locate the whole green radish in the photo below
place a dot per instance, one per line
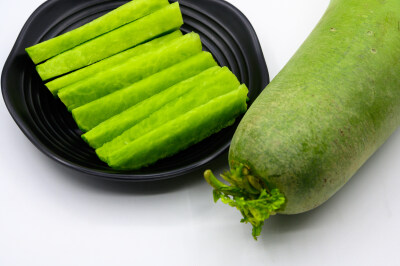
(330, 108)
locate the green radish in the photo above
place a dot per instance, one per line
(221, 83)
(131, 71)
(182, 132)
(55, 85)
(124, 14)
(160, 22)
(330, 108)
(115, 126)
(92, 114)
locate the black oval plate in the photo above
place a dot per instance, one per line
(224, 31)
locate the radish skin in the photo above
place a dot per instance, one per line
(330, 108)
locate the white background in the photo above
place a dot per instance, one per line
(50, 215)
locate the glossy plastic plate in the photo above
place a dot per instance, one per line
(225, 32)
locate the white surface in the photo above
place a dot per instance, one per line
(50, 215)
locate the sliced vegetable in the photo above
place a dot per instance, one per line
(130, 72)
(331, 107)
(55, 85)
(164, 20)
(116, 125)
(124, 14)
(222, 83)
(91, 114)
(178, 134)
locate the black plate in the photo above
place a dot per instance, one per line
(225, 32)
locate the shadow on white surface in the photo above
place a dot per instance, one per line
(138, 188)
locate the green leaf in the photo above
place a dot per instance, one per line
(256, 203)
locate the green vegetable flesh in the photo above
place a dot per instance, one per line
(115, 126)
(130, 72)
(182, 132)
(90, 115)
(55, 85)
(124, 14)
(164, 20)
(331, 107)
(222, 83)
